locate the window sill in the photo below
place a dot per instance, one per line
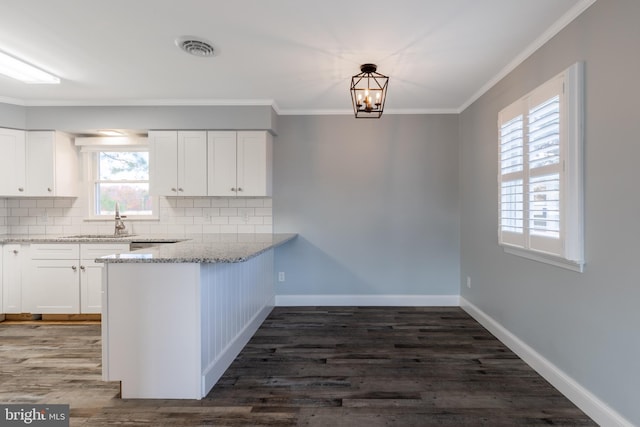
(127, 219)
(547, 259)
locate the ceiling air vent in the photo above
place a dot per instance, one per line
(195, 46)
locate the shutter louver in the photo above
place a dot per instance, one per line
(511, 179)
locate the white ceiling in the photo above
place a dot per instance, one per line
(299, 55)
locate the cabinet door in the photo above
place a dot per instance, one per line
(53, 288)
(12, 278)
(163, 164)
(51, 165)
(1, 288)
(254, 164)
(91, 288)
(91, 274)
(40, 155)
(222, 163)
(12, 162)
(192, 163)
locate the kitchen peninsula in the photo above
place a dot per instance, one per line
(175, 316)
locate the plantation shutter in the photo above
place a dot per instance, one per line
(511, 176)
(544, 168)
(540, 180)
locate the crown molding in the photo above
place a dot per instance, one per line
(12, 101)
(141, 102)
(349, 112)
(557, 26)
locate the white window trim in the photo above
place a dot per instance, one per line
(91, 160)
(571, 160)
(545, 258)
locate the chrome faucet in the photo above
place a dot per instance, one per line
(120, 228)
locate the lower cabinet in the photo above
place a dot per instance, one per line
(91, 274)
(64, 278)
(12, 272)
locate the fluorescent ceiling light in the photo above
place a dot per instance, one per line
(109, 132)
(20, 70)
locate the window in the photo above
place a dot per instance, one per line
(540, 173)
(121, 177)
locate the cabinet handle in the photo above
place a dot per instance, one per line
(173, 189)
(20, 189)
(15, 252)
(49, 190)
(82, 267)
(180, 189)
(233, 189)
(74, 268)
(239, 188)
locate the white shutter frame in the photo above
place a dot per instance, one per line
(574, 172)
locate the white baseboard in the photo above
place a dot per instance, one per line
(595, 408)
(368, 300)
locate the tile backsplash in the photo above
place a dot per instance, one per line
(177, 215)
(3, 216)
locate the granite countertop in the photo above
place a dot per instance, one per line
(90, 238)
(200, 248)
(205, 248)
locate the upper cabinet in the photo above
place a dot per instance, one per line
(37, 164)
(12, 162)
(51, 165)
(178, 163)
(239, 163)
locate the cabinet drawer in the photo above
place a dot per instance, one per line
(55, 251)
(89, 252)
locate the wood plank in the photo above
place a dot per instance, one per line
(313, 366)
(72, 317)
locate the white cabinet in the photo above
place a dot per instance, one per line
(37, 164)
(91, 274)
(178, 163)
(12, 162)
(64, 278)
(53, 281)
(51, 165)
(222, 163)
(240, 163)
(12, 269)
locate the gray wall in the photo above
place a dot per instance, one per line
(13, 116)
(586, 324)
(375, 203)
(79, 119)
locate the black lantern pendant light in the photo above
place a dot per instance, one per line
(368, 92)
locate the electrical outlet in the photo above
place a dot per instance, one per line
(281, 276)
(468, 282)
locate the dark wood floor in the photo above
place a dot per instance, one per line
(339, 366)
